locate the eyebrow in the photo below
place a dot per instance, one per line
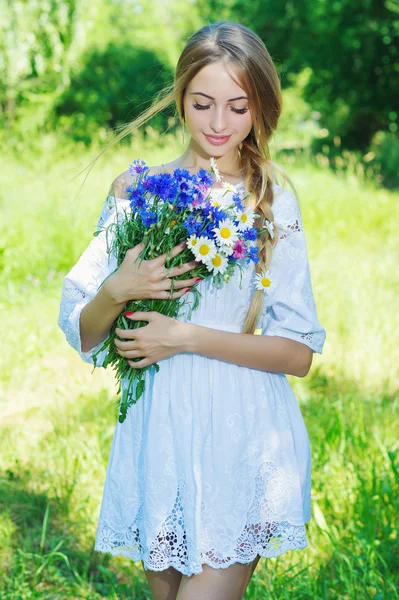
(210, 97)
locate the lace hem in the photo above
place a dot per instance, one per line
(207, 557)
(262, 534)
(170, 549)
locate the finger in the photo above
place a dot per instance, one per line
(131, 353)
(127, 334)
(160, 260)
(180, 269)
(139, 364)
(167, 294)
(140, 315)
(166, 284)
(127, 345)
(135, 250)
(178, 294)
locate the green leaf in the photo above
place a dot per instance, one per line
(140, 388)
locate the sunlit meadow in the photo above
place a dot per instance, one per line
(57, 416)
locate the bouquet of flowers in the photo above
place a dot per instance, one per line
(167, 210)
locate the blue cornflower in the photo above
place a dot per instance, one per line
(161, 185)
(137, 200)
(253, 255)
(207, 209)
(181, 174)
(250, 233)
(238, 201)
(205, 178)
(192, 225)
(148, 217)
(147, 182)
(137, 167)
(186, 185)
(183, 201)
(209, 230)
(186, 193)
(138, 188)
(218, 214)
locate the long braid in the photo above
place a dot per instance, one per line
(259, 180)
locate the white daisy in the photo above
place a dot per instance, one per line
(204, 249)
(214, 169)
(227, 250)
(222, 200)
(217, 264)
(245, 218)
(226, 233)
(265, 282)
(270, 227)
(229, 186)
(192, 241)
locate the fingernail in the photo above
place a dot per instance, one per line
(187, 290)
(128, 314)
(198, 279)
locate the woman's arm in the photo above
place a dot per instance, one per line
(266, 353)
(97, 317)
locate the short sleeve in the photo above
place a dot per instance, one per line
(289, 308)
(83, 281)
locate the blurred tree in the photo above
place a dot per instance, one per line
(114, 86)
(38, 42)
(351, 48)
(42, 42)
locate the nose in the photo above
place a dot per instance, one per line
(218, 122)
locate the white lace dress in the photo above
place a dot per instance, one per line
(212, 465)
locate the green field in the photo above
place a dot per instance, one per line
(57, 417)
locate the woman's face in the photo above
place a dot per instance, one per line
(216, 106)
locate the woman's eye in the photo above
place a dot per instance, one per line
(199, 106)
(240, 111)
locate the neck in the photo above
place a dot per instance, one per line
(194, 158)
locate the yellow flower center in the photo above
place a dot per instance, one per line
(244, 218)
(217, 261)
(265, 282)
(172, 223)
(193, 242)
(204, 249)
(225, 232)
(214, 203)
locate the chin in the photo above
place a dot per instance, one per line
(217, 151)
(208, 148)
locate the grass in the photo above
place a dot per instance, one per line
(57, 417)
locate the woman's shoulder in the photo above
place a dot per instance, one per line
(282, 196)
(285, 207)
(119, 185)
(156, 169)
(122, 181)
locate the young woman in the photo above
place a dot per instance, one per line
(212, 467)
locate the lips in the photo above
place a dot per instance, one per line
(216, 140)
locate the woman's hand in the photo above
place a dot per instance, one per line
(161, 338)
(148, 280)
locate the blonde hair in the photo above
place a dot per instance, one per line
(240, 47)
